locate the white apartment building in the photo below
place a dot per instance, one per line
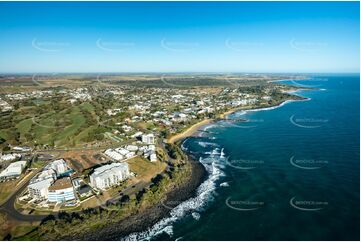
(14, 170)
(153, 157)
(38, 187)
(148, 138)
(59, 166)
(109, 175)
(61, 191)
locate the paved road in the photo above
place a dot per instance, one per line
(8, 205)
(104, 147)
(9, 209)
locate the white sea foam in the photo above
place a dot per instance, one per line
(239, 113)
(196, 216)
(222, 154)
(204, 144)
(212, 153)
(209, 127)
(182, 145)
(193, 206)
(224, 184)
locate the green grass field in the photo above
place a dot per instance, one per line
(68, 127)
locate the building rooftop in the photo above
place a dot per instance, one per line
(40, 184)
(104, 168)
(61, 183)
(14, 169)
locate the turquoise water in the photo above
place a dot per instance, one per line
(290, 173)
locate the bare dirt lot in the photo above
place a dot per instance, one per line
(85, 159)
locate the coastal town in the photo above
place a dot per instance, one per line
(72, 148)
(180, 120)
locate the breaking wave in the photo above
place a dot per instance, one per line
(192, 206)
(209, 127)
(212, 154)
(183, 145)
(196, 216)
(204, 144)
(238, 113)
(224, 184)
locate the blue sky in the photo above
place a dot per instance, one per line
(179, 37)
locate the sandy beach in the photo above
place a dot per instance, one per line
(191, 130)
(194, 128)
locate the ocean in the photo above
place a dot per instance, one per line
(289, 173)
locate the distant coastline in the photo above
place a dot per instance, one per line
(197, 126)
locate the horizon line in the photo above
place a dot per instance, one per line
(178, 72)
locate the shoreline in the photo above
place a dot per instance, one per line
(195, 127)
(144, 220)
(189, 131)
